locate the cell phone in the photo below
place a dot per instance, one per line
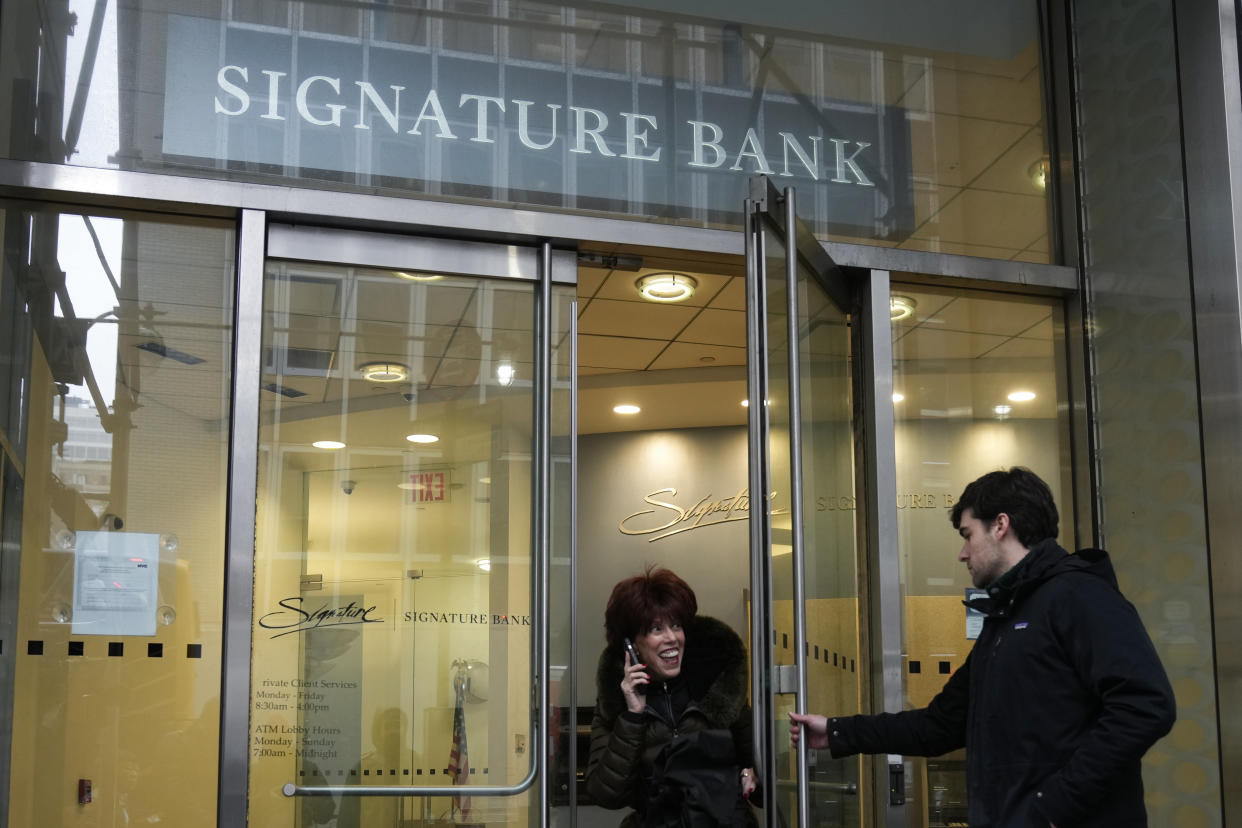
(629, 648)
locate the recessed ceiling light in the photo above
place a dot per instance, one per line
(484, 564)
(898, 396)
(745, 403)
(422, 438)
(666, 287)
(1038, 173)
(505, 372)
(1022, 396)
(1002, 410)
(384, 371)
(626, 409)
(900, 307)
(485, 480)
(417, 277)
(328, 444)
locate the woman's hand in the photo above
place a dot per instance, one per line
(748, 782)
(633, 684)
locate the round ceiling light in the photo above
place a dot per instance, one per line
(666, 287)
(422, 438)
(1022, 396)
(900, 307)
(626, 409)
(384, 371)
(328, 444)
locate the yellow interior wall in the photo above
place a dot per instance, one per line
(144, 730)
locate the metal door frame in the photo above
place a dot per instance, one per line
(864, 297)
(260, 240)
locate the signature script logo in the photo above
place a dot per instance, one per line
(292, 617)
(706, 512)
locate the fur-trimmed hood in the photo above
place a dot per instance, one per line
(714, 669)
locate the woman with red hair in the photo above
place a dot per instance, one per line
(672, 736)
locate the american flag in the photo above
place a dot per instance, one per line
(459, 756)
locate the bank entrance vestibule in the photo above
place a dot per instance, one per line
(424, 442)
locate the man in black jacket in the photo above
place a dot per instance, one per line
(1063, 692)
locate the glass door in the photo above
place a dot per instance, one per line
(403, 537)
(804, 605)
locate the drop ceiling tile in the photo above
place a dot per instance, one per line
(589, 280)
(733, 297)
(1014, 97)
(689, 355)
(617, 352)
(981, 217)
(952, 150)
(609, 317)
(922, 343)
(716, 327)
(1023, 348)
(1013, 169)
(928, 201)
(987, 316)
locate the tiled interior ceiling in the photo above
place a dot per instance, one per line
(959, 354)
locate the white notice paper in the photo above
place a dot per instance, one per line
(115, 583)
(974, 618)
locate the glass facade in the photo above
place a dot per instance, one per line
(978, 384)
(933, 141)
(113, 590)
(391, 638)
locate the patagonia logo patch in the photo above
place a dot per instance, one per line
(1021, 625)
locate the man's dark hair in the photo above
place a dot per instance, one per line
(656, 595)
(1018, 493)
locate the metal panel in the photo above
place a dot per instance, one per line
(239, 554)
(573, 565)
(150, 191)
(877, 480)
(389, 250)
(1212, 127)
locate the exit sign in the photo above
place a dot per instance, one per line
(429, 487)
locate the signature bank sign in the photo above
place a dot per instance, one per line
(389, 115)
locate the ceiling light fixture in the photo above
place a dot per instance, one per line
(384, 371)
(484, 564)
(1022, 396)
(422, 438)
(505, 372)
(1003, 410)
(898, 396)
(417, 277)
(1038, 173)
(328, 444)
(626, 408)
(666, 287)
(745, 403)
(900, 307)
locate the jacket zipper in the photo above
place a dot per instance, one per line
(668, 700)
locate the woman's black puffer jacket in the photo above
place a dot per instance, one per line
(624, 745)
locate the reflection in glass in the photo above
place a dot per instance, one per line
(371, 604)
(827, 499)
(124, 373)
(961, 359)
(899, 126)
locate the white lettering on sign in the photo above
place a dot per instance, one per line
(318, 101)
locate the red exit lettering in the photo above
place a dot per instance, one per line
(428, 487)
